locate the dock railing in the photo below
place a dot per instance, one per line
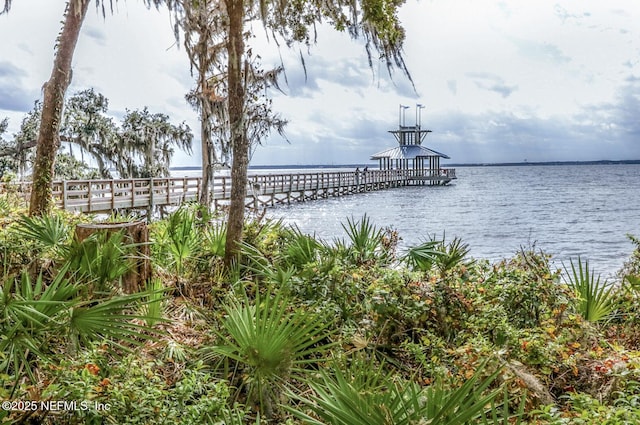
(112, 194)
(108, 195)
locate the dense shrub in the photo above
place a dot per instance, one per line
(432, 317)
(132, 390)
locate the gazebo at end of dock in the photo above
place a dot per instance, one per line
(420, 163)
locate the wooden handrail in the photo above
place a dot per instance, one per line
(108, 194)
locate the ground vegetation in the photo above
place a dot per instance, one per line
(303, 330)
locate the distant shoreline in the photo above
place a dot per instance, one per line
(478, 164)
(515, 164)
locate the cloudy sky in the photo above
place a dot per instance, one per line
(501, 81)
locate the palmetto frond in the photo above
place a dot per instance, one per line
(365, 238)
(36, 303)
(215, 239)
(102, 258)
(183, 241)
(300, 249)
(153, 307)
(49, 233)
(453, 254)
(341, 397)
(437, 253)
(28, 311)
(113, 319)
(36, 315)
(422, 257)
(271, 340)
(595, 297)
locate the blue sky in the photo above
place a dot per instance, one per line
(501, 81)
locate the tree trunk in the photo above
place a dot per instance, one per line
(239, 142)
(54, 91)
(208, 152)
(137, 233)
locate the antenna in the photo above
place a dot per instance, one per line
(401, 115)
(419, 107)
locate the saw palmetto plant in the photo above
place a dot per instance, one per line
(39, 318)
(368, 396)
(272, 341)
(595, 296)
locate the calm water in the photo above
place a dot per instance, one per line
(567, 211)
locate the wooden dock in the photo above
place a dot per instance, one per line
(100, 196)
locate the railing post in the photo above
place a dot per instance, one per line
(224, 187)
(184, 189)
(133, 192)
(64, 195)
(89, 195)
(113, 195)
(151, 194)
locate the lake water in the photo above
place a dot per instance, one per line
(565, 210)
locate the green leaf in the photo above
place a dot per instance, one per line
(112, 319)
(352, 397)
(50, 233)
(273, 340)
(595, 297)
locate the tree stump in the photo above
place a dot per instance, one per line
(135, 232)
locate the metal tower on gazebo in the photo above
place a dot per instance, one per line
(419, 163)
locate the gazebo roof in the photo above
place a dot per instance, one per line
(407, 152)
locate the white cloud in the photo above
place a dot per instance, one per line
(501, 81)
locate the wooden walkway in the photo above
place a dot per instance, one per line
(99, 196)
